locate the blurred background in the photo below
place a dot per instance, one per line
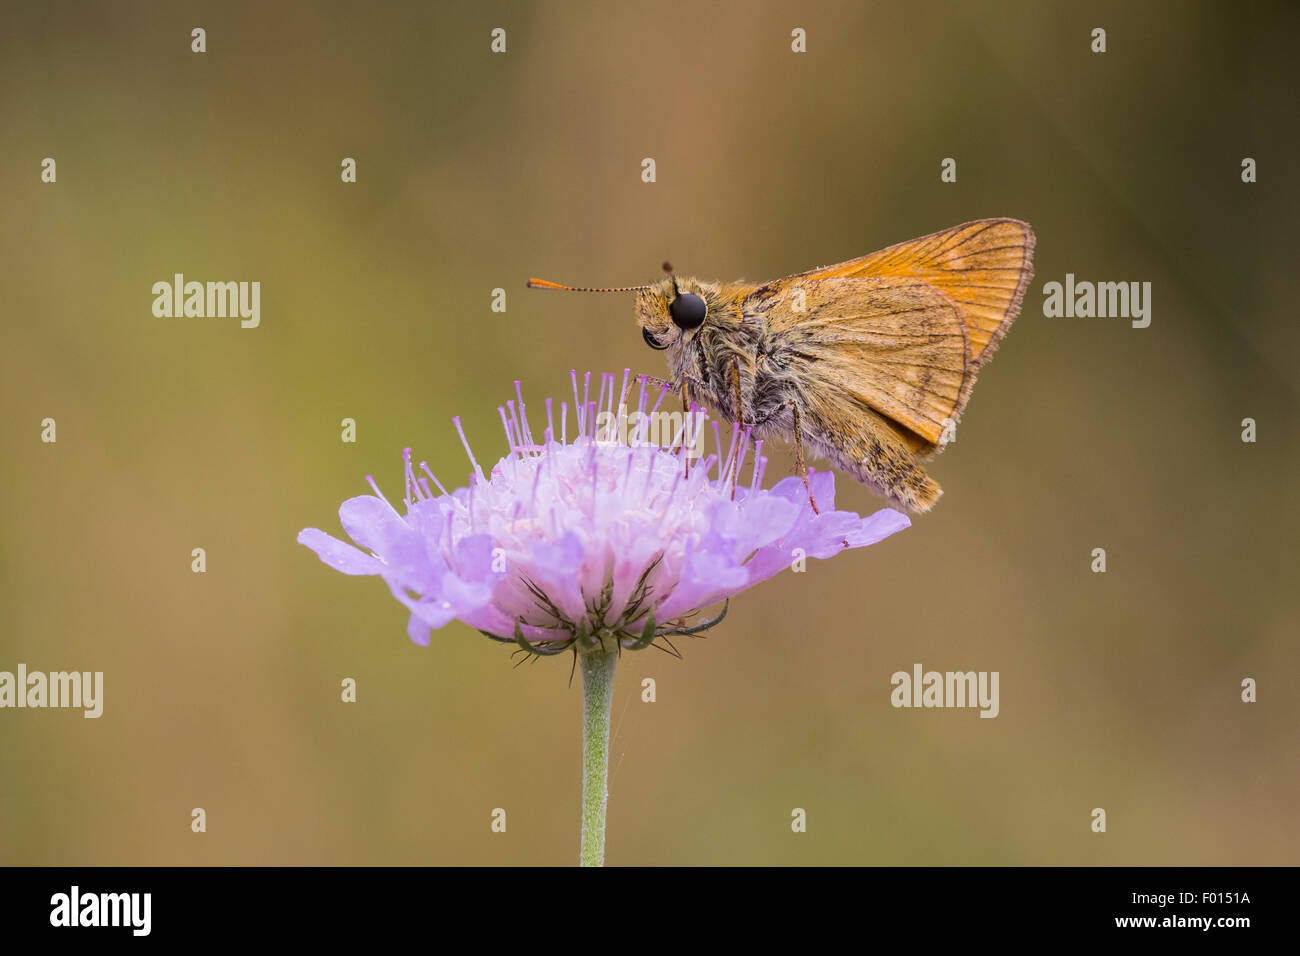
(476, 170)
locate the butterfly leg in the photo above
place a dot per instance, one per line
(686, 411)
(652, 381)
(664, 383)
(798, 457)
(739, 409)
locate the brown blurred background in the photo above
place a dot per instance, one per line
(1118, 690)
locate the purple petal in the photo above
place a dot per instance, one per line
(474, 558)
(554, 566)
(371, 523)
(706, 577)
(418, 631)
(879, 526)
(339, 555)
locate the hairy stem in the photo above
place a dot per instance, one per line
(597, 696)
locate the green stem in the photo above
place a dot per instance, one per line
(597, 696)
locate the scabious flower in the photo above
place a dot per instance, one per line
(599, 545)
(605, 539)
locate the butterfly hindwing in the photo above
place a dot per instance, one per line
(893, 345)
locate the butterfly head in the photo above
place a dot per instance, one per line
(670, 310)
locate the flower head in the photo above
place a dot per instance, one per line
(607, 536)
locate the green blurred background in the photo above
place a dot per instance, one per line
(1118, 690)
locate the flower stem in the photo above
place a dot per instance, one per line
(597, 696)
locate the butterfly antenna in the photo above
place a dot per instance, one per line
(543, 284)
(668, 267)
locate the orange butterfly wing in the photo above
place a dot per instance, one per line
(983, 267)
(885, 344)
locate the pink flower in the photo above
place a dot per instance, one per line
(593, 538)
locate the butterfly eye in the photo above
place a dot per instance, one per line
(651, 341)
(687, 311)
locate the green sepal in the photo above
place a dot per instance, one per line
(647, 635)
(675, 631)
(536, 649)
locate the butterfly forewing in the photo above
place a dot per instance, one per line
(983, 267)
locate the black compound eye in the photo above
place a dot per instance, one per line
(651, 341)
(687, 311)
